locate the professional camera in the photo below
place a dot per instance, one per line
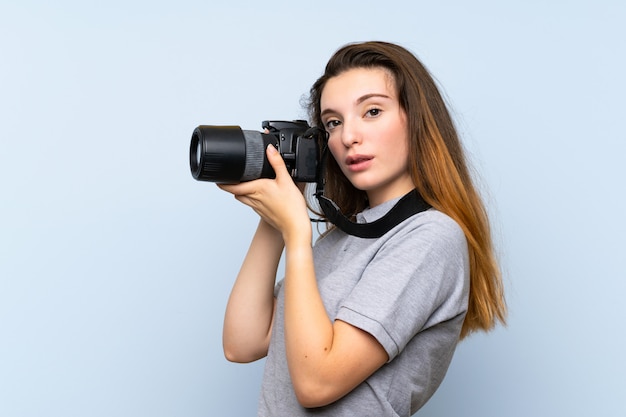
(228, 154)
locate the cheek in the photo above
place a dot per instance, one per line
(402, 137)
(401, 146)
(334, 147)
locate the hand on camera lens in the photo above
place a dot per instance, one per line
(277, 201)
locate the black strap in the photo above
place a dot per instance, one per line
(412, 203)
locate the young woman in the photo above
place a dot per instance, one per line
(363, 326)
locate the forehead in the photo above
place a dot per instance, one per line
(354, 83)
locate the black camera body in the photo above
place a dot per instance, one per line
(228, 154)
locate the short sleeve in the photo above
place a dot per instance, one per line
(418, 278)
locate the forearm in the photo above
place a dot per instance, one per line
(326, 359)
(250, 308)
(308, 329)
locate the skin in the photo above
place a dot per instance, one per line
(368, 132)
(326, 359)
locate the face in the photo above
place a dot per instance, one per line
(368, 133)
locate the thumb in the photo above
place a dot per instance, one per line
(276, 161)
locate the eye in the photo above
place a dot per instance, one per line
(331, 124)
(373, 112)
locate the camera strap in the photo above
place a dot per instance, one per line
(410, 204)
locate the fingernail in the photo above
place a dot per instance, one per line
(271, 148)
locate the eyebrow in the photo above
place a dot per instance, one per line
(358, 101)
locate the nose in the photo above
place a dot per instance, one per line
(350, 133)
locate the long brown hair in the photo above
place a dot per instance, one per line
(438, 167)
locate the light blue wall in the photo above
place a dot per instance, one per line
(115, 264)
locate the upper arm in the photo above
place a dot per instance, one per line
(250, 309)
(247, 349)
(400, 292)
(414, 282)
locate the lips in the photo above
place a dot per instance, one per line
(357, 159)
(358, 163)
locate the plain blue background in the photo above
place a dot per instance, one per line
(115, 265)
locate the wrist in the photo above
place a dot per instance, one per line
(298, 236)
(270, 232)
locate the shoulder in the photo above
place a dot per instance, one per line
(430, 232)
(429, 245)
(430, 228)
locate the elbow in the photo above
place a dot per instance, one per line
(236, 358)
(309, 401)
(233, 356)
(311, 394)
(238, 355)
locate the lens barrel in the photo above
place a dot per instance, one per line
(228, 154)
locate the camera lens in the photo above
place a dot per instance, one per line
(227, 154)
(198, 147)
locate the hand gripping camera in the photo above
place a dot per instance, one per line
(228, 154)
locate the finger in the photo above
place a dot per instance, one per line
(238, 189)
(277, 162)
